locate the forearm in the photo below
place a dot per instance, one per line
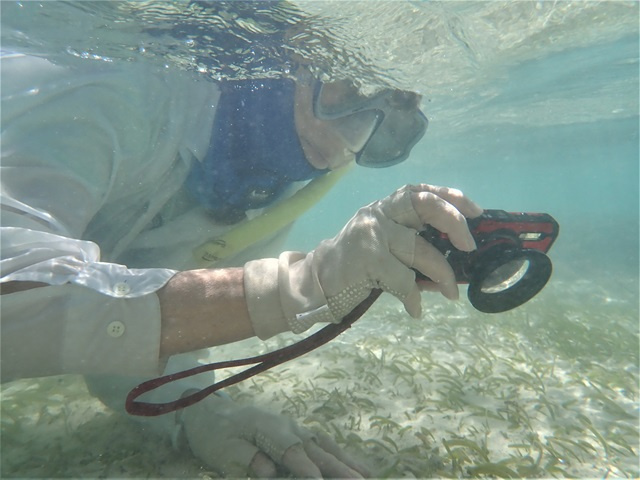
(203, 308)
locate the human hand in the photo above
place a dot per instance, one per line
(378, 248)
(238, 440)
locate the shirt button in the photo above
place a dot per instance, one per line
(115, 329)
(121, 289)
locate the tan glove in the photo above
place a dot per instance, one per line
(376, 249)
(236, 440)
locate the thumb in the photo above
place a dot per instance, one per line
(413, 302)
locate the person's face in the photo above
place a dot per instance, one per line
(322, 142)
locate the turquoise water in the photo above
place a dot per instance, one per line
(566, 160)
(533, 107)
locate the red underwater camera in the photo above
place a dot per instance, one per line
(510, 265)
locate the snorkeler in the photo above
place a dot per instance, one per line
(113, 179)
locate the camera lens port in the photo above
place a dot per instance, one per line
(505, 277)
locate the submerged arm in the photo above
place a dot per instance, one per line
(203, 308)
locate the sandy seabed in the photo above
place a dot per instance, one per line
(547, 390)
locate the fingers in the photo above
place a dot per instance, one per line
(328, 444)
(394, 277)
(311, 460)
(295, 459)
(430, 262)
(262, 466)
(413, 302)
(452, 195)
(414, 251)
(444, 208)
(330, 466)
(438, 212)
(399, 208)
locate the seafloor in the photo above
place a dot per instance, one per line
(546, 390)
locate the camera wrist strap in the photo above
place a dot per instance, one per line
(260, 364)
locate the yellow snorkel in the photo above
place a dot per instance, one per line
(271, 221)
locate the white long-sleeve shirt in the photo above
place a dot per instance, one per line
(91, 155)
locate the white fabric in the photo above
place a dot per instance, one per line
(98, 334)
(91, 157)
(374, 250)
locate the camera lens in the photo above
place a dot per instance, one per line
(506, 277)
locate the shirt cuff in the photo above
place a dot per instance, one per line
(284, 294)
(263, 298)
(103, 334)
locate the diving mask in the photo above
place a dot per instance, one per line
(386, 126)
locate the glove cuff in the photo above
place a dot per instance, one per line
(284, 294)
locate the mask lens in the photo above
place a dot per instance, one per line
(395, 115)
(338, 99)
(356, 129)
(394, 139)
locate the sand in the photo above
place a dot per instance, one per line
(546, 390)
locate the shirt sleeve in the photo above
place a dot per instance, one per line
(71, 141)
(73, 329)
